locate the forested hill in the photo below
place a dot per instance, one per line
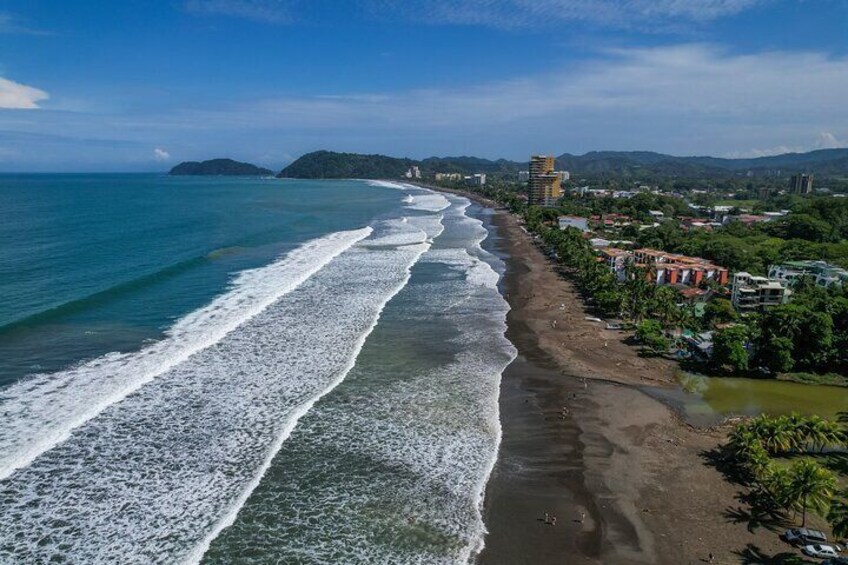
(824, 162)
(328, 164)
(224, 167)
(331, 165)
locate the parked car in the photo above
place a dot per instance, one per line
(803, 536)
(820, 551)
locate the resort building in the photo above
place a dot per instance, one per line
(544, 186)
(801, 184)
(617, 260)
(476, 180)
(563, 175)
(753, 294)
(413, 173)
(523, 176)
(824, 273)
(675, 269)
(448, 177)
(578, 222)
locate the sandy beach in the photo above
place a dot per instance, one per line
(628, 481)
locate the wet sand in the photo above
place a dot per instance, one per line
(625, 459)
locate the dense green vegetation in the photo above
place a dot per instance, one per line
(784, 459)
(807, 337)
(223, 167)
(617, 168)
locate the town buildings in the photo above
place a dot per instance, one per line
(544, 185)
(824, 274)
(750, 293)
(476, 180)
(801, 184)
(666, 268)
(413, 173)
(448, 177)
(523, 176)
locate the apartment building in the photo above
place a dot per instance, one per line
(544, 185)
(751, 293)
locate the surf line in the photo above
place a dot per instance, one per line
(229, 518)
(333, 244)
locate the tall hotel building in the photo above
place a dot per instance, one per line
(544, 184)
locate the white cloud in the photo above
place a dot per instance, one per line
(10, 25)
(684, 99)
(526, 13)
(18, 96)
(271, 11)
(827, 140)
(824, 140)
(160, 154)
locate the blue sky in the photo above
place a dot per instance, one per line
(139, 85)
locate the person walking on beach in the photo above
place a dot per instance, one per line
(547, 518)
(582, 516)
(553, 521)
(712, 557)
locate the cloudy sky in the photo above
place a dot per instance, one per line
(141, 85)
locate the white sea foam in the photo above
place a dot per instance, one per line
(290, 439)
(156, 477)
(41, 412)
(391, 467)
(422, 199)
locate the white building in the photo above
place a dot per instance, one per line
(563, 175)
(476, 180)
(523, 176)
(413, 172)
(578, 222)
(824, 274)
(750, 293)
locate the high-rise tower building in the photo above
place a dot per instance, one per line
(801, 184)
(544, 185)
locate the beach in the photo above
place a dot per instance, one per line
(628, 480)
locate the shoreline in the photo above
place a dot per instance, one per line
(624, 458)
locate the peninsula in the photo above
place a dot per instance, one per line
(219, 167)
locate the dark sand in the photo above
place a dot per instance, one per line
(622, 457)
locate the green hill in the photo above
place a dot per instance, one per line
(222, 167)
(331, 165)
(637, 164)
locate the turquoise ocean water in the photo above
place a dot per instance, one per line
(251, 370)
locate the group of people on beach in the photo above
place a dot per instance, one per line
(551, 519)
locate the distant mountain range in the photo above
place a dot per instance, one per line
(222, 167)
(328, 164)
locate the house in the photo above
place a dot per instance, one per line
(824, 273)
(578, 222)
(751, 293)
(617, 260)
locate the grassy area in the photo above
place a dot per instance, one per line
(832, 379)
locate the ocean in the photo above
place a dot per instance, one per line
(219, 370)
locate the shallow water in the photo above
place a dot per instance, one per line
(705, 401)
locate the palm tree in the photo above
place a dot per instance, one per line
(810, 486)
(838, 516)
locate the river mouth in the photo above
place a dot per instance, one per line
(706, 401)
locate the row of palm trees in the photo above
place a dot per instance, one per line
(636, 297)
(804, 484)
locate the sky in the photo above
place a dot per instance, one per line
(140, 85)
